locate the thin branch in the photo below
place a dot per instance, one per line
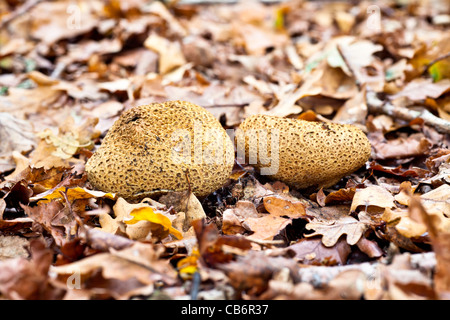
(425, 262)
(266, 243)
(349, 66)
(19, 11)
(232, 105)
(407, 114)
(429, 65)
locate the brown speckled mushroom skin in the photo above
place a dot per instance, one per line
(311, 154)
(135, 157)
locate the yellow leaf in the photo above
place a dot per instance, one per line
(147, 214)
(279, 19)
(440, 70)
(189, 265)
(72, 194)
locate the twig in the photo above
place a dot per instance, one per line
(72, 213)
(186, 174)
(407, 114)
(320, 275)
(403, 113)
(19, 11)
(151, 193)
(350, 67)
(229, 105)
(266, 243)
(443, 57)
(196, 280)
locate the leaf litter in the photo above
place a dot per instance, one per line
(64, 80)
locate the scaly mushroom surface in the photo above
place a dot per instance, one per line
(160, 147)
(301, 153)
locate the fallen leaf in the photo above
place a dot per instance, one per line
(55, 218)
(402, 222)
(54, 22)
(335, 83)
(13, 247)
(124, 271)
(28, 279)
(391, 234)
(188, 266)
(16, 136)
(22, 165)
(75, 193)
(170, 54)
(211, 244)
(340, 196)
(116, 85)
(405, 192)
(281, 212)
(147, 214)
(139, 221)
(333, 230)
(287, 102)
(397, 70)
(420, 89)
(398, 148)
(186, 204)
(369, 247)
(233, 218)
(399, 171)
(372, 196)
(251, 273)
(265, 227)
(354, 110)
(437, 204)
(358, 53)
(24, 102)
(443, 176)
(58, 149)
(278, 206)
(313, 251)
(440, 239)
(70, 139)
(345, 21)
(102, 240)
(173, 23)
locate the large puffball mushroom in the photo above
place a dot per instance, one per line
(302, 154)
(160, 147)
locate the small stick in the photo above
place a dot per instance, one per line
(266, 243)
(425, 262)
(186, 173)
(349, 66)
(75, 216)
(196, 280)
(19, 11)
(407, 114)
(429, 65)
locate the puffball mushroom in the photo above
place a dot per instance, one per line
(303, 154)
(160, 147)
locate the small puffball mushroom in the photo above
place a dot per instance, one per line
(162, 147)
(302, 154)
